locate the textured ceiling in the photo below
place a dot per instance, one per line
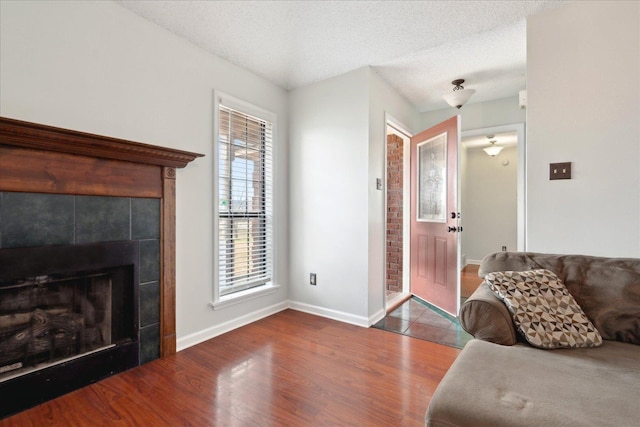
(418, 47)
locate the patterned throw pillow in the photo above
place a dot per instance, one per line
(543, 309)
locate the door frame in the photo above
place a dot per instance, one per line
(521, 238)
(391, 121)
(520, 128)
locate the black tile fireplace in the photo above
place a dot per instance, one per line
(68, 317)
(79, 291)
(63, 187)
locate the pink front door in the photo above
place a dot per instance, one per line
(434, 215)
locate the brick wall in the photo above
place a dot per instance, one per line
(394, 212)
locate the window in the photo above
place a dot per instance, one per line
(244, 201)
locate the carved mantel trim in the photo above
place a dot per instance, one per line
(45, 159)
(32, 135)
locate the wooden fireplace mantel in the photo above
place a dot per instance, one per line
(44, 159)
(32, 135)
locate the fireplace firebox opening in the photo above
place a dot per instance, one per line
(68, 317)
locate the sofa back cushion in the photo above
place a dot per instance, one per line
(607, 289)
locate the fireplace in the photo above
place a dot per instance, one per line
(68, 317)
(61, 189)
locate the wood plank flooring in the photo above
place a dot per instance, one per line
(290, 369)
(469, 280)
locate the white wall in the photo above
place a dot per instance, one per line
(383, 100)
(337, 138)
(96, 67)
(583, 82)
(490, 202)
(329, 208)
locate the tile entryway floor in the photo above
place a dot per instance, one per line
(418, 319)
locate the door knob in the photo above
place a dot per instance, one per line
(451, 229)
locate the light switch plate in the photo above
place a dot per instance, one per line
(560, 170)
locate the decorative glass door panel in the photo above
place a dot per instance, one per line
(432, 179)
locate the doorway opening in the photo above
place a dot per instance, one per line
(491, 196)
(396, 271)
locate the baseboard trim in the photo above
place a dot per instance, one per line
(474, 261)
(340, 316)
(207, 334)
(377, 316)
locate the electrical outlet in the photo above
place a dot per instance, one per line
(312, 279)
(504, 249)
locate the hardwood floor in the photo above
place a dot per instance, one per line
(290, 369)
(469, 280)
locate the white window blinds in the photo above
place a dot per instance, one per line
(245, 201)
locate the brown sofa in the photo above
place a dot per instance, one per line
(500, 380)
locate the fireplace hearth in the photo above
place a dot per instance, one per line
(68, 317)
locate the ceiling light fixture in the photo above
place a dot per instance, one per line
(493, 149)
(460, 95)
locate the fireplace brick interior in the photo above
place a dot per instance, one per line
(35, 220)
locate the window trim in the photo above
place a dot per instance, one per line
(222, 301)
(244, 295)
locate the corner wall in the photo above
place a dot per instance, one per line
(327, 182)
(383, 100)
(583, 80)
(338, 141)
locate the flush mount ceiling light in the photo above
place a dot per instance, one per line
(493, 149)
(460, 95)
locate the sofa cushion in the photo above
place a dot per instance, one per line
(543, 310)
(607, 289)
(522, 386)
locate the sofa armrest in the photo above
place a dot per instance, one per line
(487, 318)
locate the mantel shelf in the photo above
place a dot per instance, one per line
(42, 137)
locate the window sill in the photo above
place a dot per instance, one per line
(242, 296)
